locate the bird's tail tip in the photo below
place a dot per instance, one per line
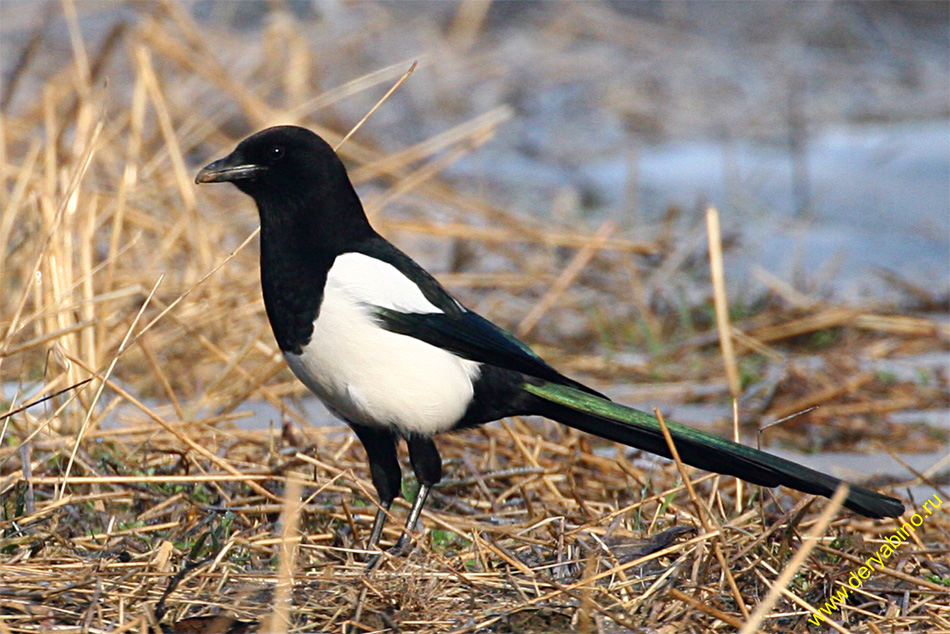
(599, 416)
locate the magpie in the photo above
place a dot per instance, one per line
(389, 351)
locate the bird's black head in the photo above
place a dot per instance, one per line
(283, 158)
(299, 183)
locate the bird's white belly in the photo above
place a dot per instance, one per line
(371, 376)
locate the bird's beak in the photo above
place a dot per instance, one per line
(230, 168)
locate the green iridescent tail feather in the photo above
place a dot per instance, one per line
(631, 427)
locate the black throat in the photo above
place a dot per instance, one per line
(300, 239)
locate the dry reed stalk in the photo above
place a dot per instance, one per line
(827, 318)
(460, 134)
(721, 302)
(160, 479)
(870, 407)
(783, 289)
(925, 477)
(382, 100)
(708, 609)
(279, 622)
(467, 22)
(794, 598)
(493, 235)
(903, 324)
(756, 346)
(353, 87)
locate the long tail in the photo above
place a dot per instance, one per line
(634, 428)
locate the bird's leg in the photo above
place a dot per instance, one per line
(414, 512)
(375, 534)
(378, 523)
(380, 448)
(427, 465)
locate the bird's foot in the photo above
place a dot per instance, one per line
(400, 549)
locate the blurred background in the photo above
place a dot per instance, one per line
(819, 128)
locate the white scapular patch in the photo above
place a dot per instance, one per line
(368, 375)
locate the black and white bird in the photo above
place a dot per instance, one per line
(392, 353)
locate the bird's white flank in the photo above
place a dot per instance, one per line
(371, 376)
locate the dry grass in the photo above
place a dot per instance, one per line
(132, 328)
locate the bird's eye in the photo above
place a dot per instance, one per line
(275, 152)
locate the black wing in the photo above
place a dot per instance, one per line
(457, 329)
(471, 336)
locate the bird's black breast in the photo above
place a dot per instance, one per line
(292, 280)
